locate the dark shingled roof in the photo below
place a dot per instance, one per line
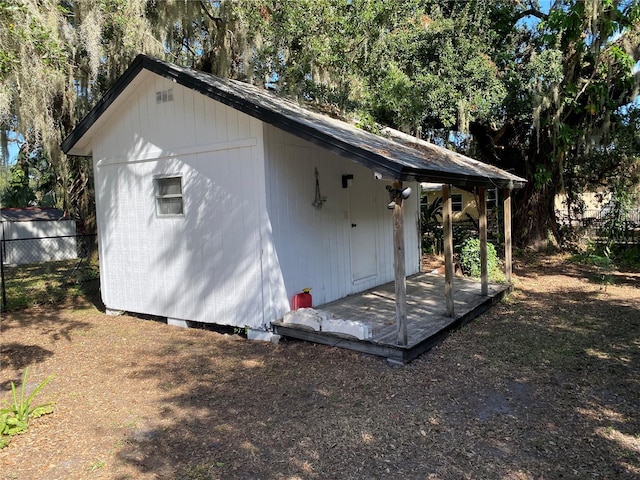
(395, 157)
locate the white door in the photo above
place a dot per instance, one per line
(362, 229)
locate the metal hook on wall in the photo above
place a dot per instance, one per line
(319, 200)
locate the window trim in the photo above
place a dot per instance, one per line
(455, 202)
(493, 200)
(159, 197)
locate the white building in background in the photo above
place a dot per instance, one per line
(37, 235)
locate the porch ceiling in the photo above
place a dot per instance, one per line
(390, 155)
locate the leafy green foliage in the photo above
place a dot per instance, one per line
(581, 73)
(537, 98)
(470, 260)
(96, 465)
(30, 181)
(539, 93)
(601, 257)
(438, 71)
(18, 192)
(608, 258)
(53, 67)
(14, 418)
(628, 258)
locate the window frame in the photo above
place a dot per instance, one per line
(159, 197)
(457, 202)
(493, 200)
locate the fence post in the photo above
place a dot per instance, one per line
(4, 291)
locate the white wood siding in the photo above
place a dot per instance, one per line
(313, 245)
(206, 265)
(249, 238)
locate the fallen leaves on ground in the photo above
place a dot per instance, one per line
(545, 385)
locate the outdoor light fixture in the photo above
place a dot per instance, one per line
(396, 193)
(347, 181)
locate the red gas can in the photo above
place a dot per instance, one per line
(302, 300)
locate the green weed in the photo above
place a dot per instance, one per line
(14, 418)
(96, 465)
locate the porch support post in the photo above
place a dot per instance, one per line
(507, 235)
(482, 214)
(448, 249)
(399, 267)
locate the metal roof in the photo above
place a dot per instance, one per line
(30, 214)
(394, 157)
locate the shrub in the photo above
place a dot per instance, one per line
(628, 258)
(470, 260)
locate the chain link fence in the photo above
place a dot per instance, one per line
(36, 271)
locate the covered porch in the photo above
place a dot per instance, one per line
(404, 318)
(427, 319)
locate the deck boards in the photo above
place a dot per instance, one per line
(427, 323)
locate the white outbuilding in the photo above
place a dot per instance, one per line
(217, 201)
(36, 235)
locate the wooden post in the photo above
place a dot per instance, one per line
(448, 250)
(399, 267)
(2, 279)
(507, 235)
(482, 217)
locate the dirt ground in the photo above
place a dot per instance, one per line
(546, 385)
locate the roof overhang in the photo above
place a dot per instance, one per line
(393, 156)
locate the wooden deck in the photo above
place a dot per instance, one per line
(426, 320)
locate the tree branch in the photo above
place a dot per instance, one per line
(629, 41)
(216, 20)
(530, 13)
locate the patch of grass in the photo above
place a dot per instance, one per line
(49, 283)
(201, 471)
(601, 258)
(625, 258)
(96, 465)
(628, 258)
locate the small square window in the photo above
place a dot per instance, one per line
(169, 196)
(456, 202)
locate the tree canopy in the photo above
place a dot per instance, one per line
(545, 93)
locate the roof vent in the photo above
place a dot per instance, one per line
(164, 96)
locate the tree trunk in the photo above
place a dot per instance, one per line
(533, 207)
(534, 219)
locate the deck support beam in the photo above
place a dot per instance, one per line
(482, 218)
(507, 235)
(399, 266)
(448, 249)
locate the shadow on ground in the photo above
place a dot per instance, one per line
(49, 323)
(544, 385)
